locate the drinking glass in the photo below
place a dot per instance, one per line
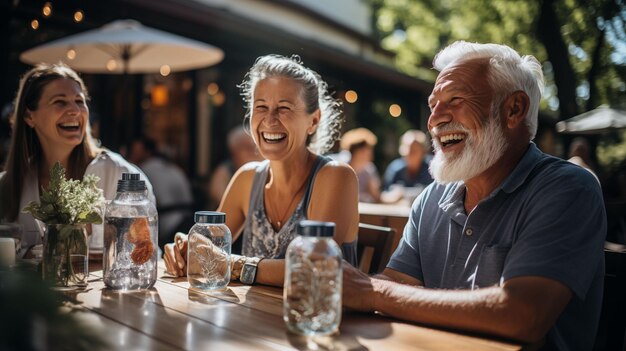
(13, 231)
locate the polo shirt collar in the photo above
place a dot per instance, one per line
(452, 201)
(521, 171)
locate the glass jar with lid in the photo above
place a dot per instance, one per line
(208, 251)
(313, 278)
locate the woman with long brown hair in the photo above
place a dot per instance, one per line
(51, 124)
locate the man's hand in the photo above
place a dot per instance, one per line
(357, 289)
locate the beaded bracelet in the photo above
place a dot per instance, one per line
(236, 264)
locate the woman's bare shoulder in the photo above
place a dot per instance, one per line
(247, 171)
(336, 170)
(241, 181)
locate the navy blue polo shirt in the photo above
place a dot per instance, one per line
(546, 219)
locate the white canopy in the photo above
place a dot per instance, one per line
(597, 121)
(125, 44)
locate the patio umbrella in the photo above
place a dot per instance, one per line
(125, 46)
(597, 121)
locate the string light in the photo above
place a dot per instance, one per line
(165, 70)
(395, 110)
(47, 9)
(351, 96)
(212, 89)
(78, 16)
(219, 98)
(111, 65)
(34, 24)
(71, 54)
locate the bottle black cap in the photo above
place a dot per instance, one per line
(209, 217)
(316, 228)
(130, 182)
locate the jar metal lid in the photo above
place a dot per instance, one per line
(209, 217)
(130, 182)
(316, 228)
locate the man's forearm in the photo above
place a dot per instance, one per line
(487, 310)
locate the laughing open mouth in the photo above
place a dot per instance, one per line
(69, 126)
(451, 139)
(273, 137)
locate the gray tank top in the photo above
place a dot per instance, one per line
(259, 237)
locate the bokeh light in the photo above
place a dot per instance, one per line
(351, 96)
(395, 110)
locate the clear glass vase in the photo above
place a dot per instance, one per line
(65, 255)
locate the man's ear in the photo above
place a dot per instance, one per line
(515, 108)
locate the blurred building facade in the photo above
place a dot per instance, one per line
(189, 113)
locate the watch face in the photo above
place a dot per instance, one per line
(247, 274)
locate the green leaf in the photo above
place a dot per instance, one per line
(68, 201)
(91, 217)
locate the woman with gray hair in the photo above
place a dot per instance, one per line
(293, 120)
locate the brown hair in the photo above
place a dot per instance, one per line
(355, 139)
(25, 150)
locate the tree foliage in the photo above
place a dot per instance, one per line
(582, 43)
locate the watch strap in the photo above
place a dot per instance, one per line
(251, 263)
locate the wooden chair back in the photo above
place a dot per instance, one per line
(374, 247)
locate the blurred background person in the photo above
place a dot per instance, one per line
(579, 154)
(171, 188)
(408, 175)
(241, 149)
(5, 132)
(360, 143)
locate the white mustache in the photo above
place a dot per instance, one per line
(448, 127)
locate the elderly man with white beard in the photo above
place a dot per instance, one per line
(508, 241)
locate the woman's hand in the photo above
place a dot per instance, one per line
(205, 259)
(175, 256)
(208, 258)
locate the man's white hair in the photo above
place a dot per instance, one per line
(508, 72)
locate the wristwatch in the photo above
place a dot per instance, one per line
(248, 271)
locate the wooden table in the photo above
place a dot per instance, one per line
(387, 215)
(171, 317)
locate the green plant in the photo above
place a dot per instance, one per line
(65, 207)
(68, 201)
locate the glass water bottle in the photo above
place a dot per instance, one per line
(130, 237)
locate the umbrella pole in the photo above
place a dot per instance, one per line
(125, 58)
(126, 81)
